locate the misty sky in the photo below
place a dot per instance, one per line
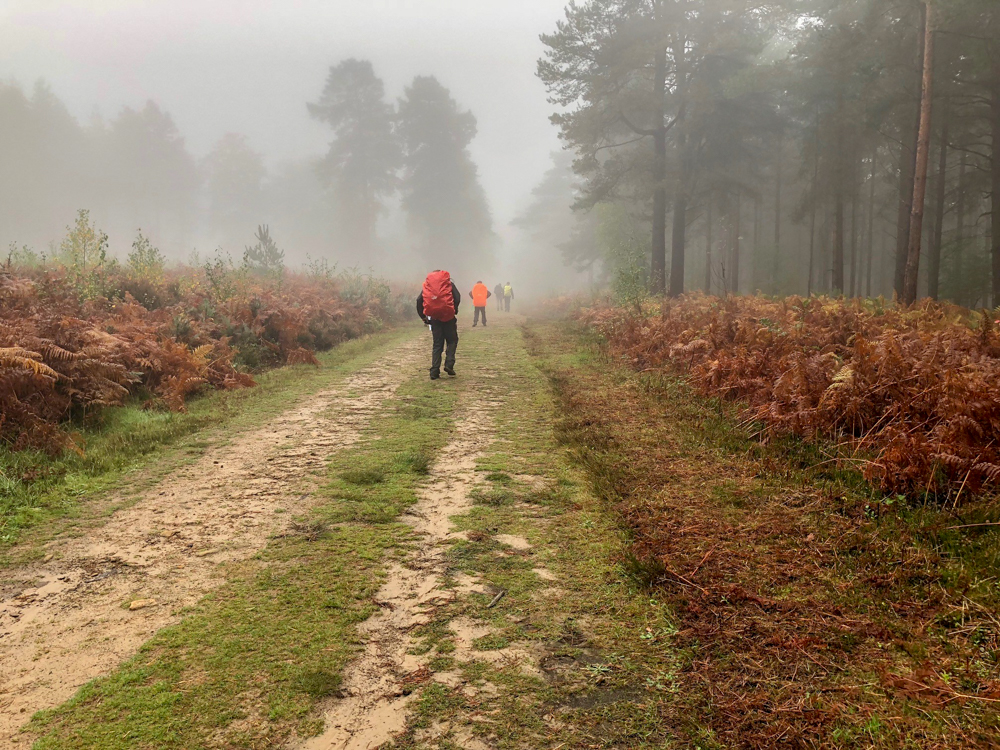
(250, 66)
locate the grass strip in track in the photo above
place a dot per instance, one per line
(604, 646)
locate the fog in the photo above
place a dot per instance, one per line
(722, 145)
(250, 68)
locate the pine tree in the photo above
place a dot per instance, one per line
(235, 176)
(638, 81)
(441, 192)
(364, 157)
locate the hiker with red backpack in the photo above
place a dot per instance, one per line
(437, 306)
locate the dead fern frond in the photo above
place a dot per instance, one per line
(918, 389)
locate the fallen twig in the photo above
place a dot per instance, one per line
(698, 566)
(682, 579)
(496, 599)
(972, 525)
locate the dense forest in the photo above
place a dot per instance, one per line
(741, 146)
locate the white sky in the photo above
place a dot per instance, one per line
(250, 66)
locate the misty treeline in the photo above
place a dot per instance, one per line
(740, 145)
(398, 184)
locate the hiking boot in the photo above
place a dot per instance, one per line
(450, 371)
(435, 376)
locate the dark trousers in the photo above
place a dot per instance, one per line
(475, 317)
(499, 301)
(444, 333)
(506, 303)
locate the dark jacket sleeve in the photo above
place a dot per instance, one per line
(456, 296)
(420, 305)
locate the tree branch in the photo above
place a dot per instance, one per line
(618, 145)
(635, 129)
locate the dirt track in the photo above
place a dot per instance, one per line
(375, 706)
(67, 620)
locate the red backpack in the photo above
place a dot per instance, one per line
(438, 300)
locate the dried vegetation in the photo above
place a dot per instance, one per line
(73, 341)
(912, 396)
(806, 618)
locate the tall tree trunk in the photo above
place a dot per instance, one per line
(755, 258)
(679, 237)
(934, 258)
(812, 217)
(871, 225)
(658, 267)
(981, 298)
(995, 180)
(853, 285)
(960, 296)
(776, 265)
(799, 242)
(923, 157)
(812, 252)
(777, 202)
(837, 281)
(884, 255)
(738, 209)
(907, 154)
(708, 245)
(678, 240)
(907, 170)
(826, 233)
(838, 236)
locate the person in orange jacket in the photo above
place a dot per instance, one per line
(479, 296)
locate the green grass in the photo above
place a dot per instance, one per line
(247, 664)
(373, 484)
(36, 488)
(246, 667)
(530, 487)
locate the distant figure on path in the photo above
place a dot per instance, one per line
(437, 306)
(479, 296)
(508, 295)
(498, 293)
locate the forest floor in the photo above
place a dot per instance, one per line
(548, 551)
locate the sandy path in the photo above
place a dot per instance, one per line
(69, 624)
(375, 707)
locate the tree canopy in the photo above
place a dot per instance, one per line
(441, 192)
(780, 139)
(364, 158)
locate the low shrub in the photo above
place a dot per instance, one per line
(74, 342)
(914, 394)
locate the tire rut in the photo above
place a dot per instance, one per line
(375, 701)
(68, 624)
